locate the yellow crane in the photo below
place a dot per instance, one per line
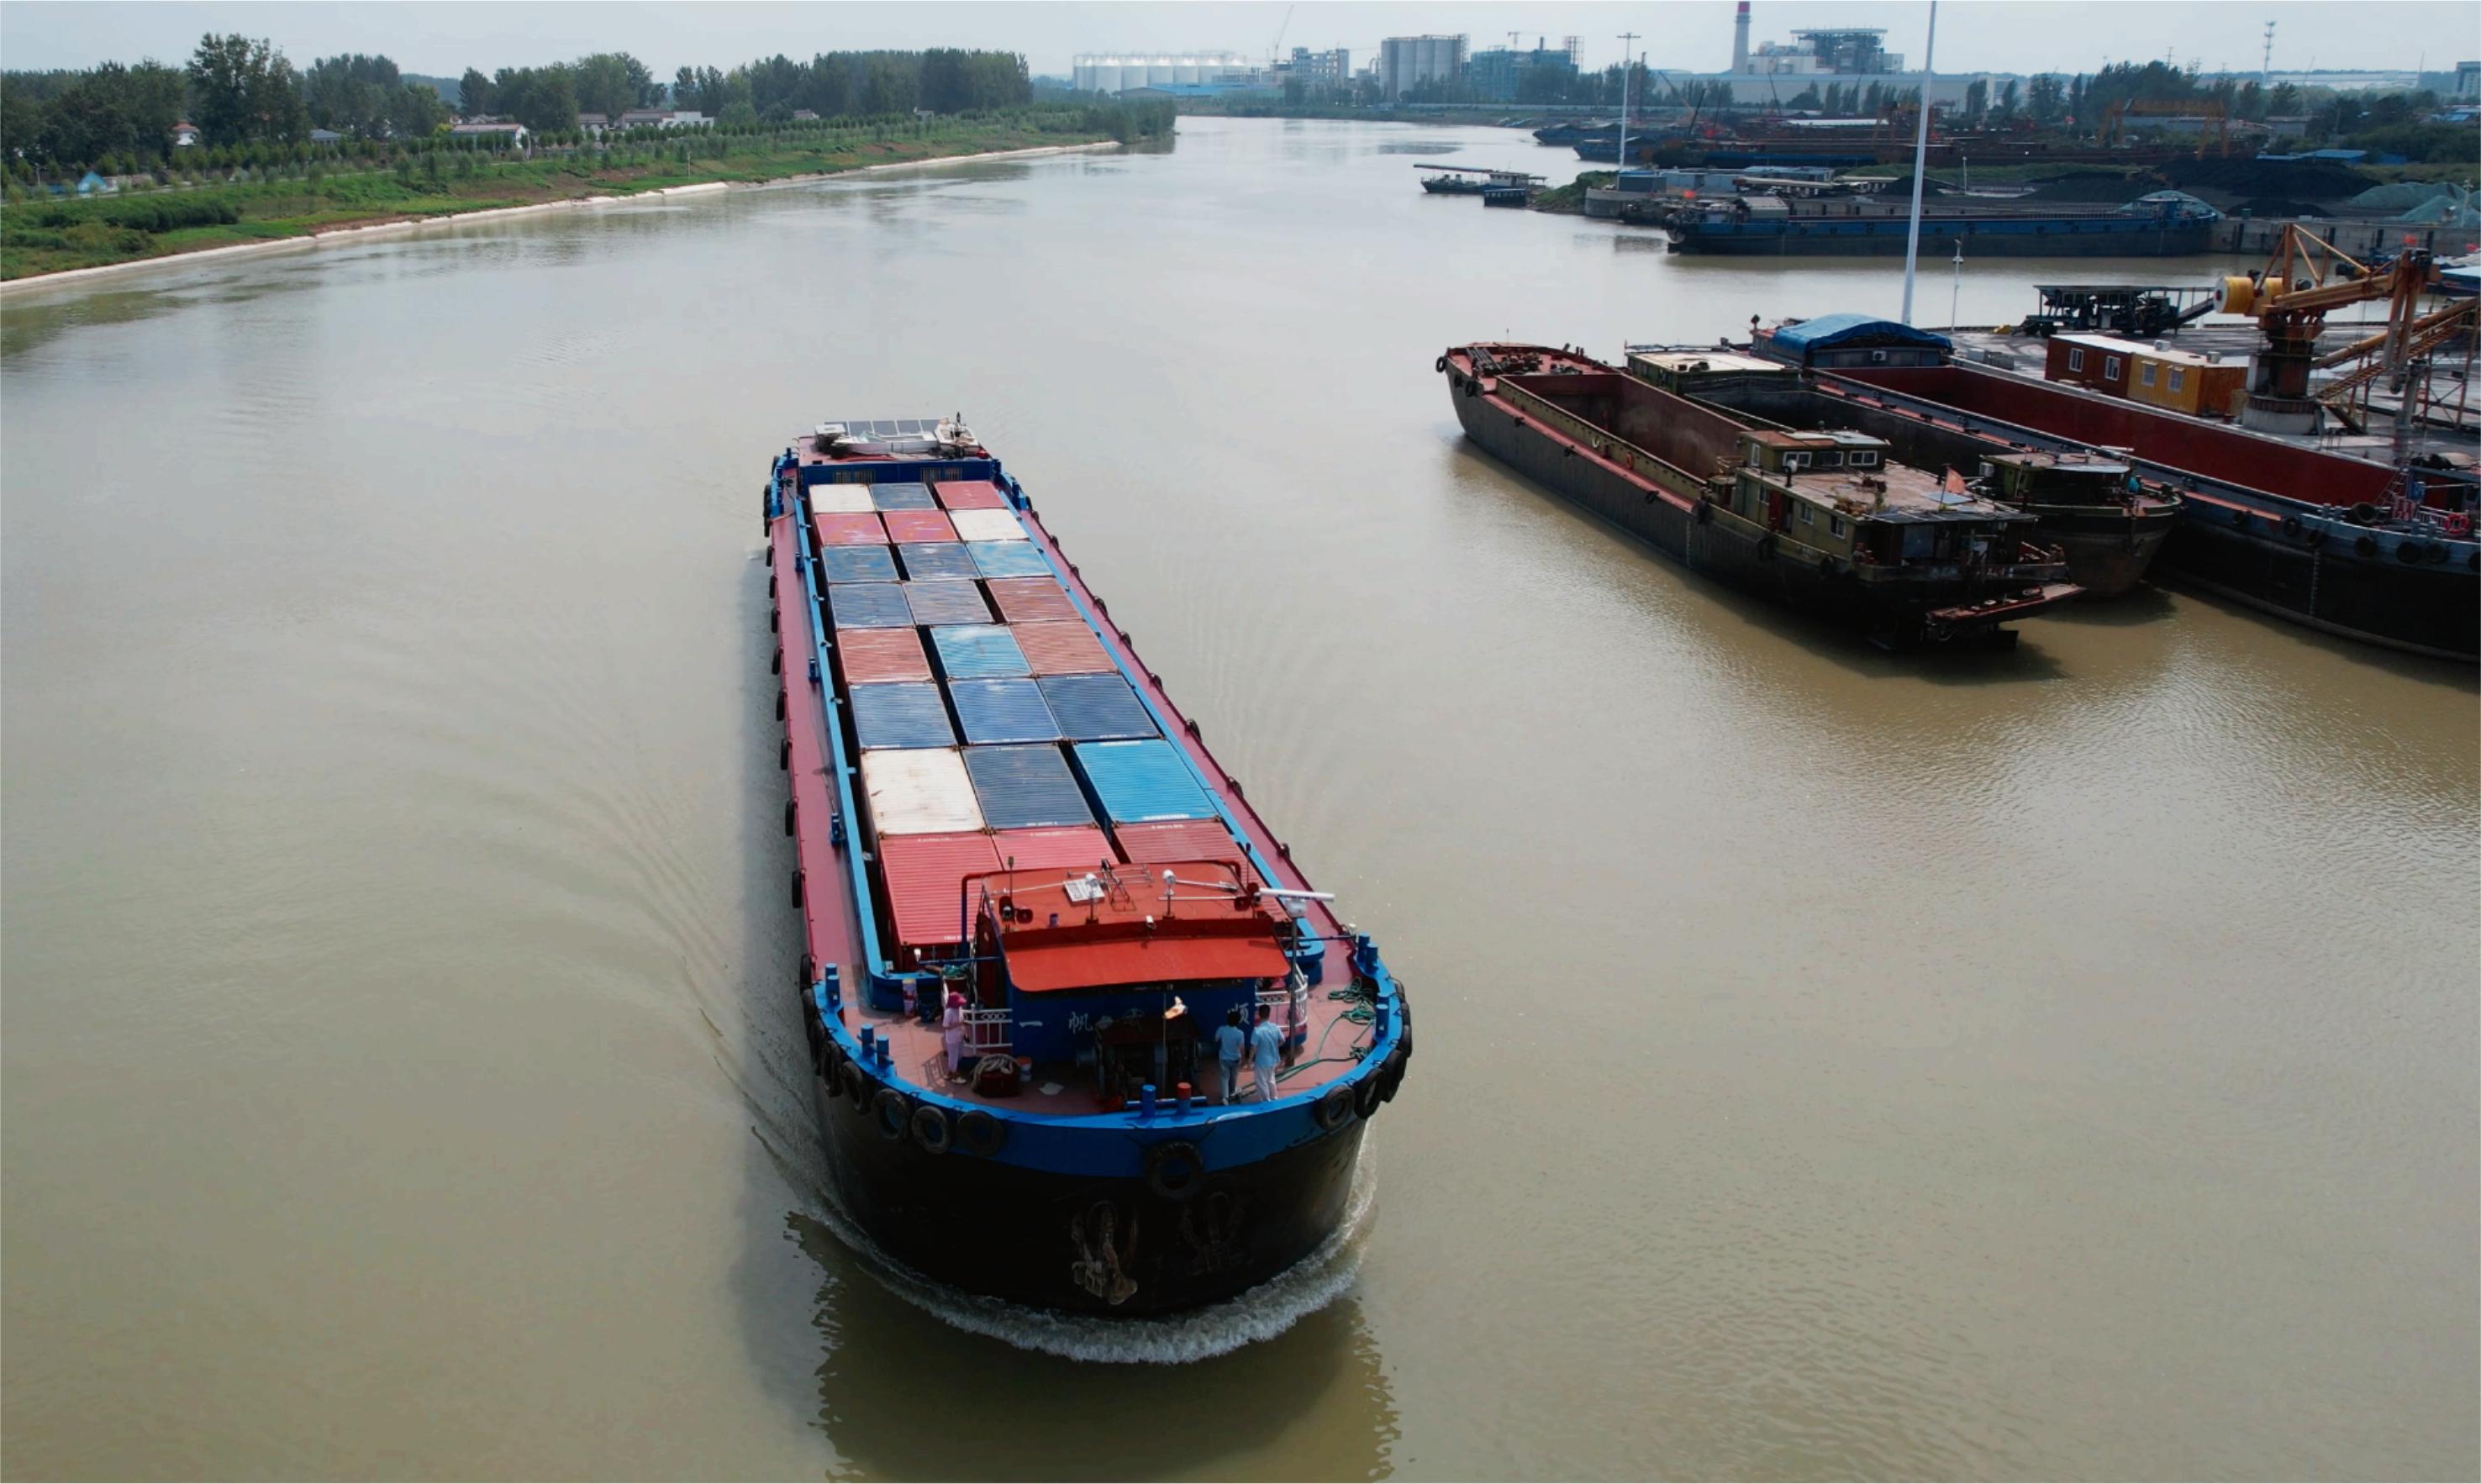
(2303, 279)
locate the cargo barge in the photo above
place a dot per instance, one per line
(1821, 521)
(2109, 522)
(2164, 224)
(1030, 898)
(2347, 546)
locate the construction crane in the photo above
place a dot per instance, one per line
(1275, 53)
(2290, 297)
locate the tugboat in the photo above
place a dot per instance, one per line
(1821, 521)
(2092, 505)
(1032, 902)
(1472, 180)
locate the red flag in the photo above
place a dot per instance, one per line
(1955, 483)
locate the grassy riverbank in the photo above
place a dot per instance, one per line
(44, 236)
(1570, 199)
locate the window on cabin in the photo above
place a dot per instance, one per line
(2110, 368)
(1835, 525)
(1808, 516)
(1795, 461)
(2076, 358)
(2146, 375)
(1864, 460)
(2178, 373)
(1830, 460)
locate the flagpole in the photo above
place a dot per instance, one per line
(1921, 163)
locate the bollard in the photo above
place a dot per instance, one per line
(1146, 1101)
(1184, 1097)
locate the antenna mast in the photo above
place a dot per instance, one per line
(1921, 163)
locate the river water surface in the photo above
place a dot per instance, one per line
(2057, 1064)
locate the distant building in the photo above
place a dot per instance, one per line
(660, 119)
(1497, 74)
(1406, 62)
(1840, 51)
(594, 124)
(184, 134)
(1319, 70)
(92, 184)
(516, 134)
(2468, 80)
(326, 137)
(1118, 72)
(805, 116)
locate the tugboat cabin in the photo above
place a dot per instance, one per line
(1836, 493)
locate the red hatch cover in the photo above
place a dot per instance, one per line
(871, 655)
(1063, 845)
(1033, 600)
(1144, 961)
(1182, 840)
(1061, 648)
(916, 526)
(926, 882)
(850, 528)
(969, 495)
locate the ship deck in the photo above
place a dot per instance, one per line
(831, 917)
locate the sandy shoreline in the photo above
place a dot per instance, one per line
(335, 236)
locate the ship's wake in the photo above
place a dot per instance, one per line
(1262, 1312)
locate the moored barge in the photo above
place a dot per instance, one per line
(2162, 224)
(1030, 898)
(1818, 520)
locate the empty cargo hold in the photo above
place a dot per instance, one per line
(1033, 600)
(1061, 649)
(1095, 708)
(1053, 847)
(935, 561)
(1003, 711)
(913, 527)
(857, 564)
(926, 878)
(920, 791)
(869, 605)
(869, 656)
(986, 525)
(978, 652)
(1006, 558)
(1142, 781)
(946, 603)
(905, 715)
(895, 495)
(850, 529)
(1020, 787)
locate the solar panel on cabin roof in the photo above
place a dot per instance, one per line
(857, 564)
(939, 561)
(869, 605)
(908, 714)
(1006, 558)
(1003, 711)
(947, 603)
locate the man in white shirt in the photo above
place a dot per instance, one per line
(1265, 1048)
(1229, 1038)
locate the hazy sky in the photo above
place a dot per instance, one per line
(1973, 34)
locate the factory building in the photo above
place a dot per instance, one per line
(1128, 71)
(1405, 62)
(1497, 74)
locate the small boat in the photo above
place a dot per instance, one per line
(1471, 180)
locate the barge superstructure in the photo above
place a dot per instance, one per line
(1820, 520)
(1030, 900)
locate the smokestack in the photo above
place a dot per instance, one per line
(1741, 39)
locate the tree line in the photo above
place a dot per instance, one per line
(243, 94)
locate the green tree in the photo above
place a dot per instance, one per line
(474, 93)
(1977, 100)
(245, 89)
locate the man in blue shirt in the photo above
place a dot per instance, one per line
(1229, 1038)
(1266, 1048)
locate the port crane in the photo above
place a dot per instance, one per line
(2307, 277)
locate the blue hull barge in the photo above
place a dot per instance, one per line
(1030, 900)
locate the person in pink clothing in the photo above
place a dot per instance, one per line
(952, 1032)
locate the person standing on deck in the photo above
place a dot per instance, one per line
(1229, 1038)
(953, 1032)
(1266, 1048)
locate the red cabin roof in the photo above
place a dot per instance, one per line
(1080, 928)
